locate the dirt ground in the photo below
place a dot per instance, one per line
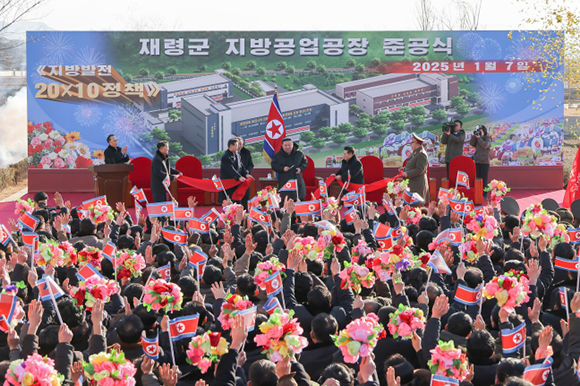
(13, 189)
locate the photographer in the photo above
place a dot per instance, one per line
(453, 138)
(482, 143)
(47, 212)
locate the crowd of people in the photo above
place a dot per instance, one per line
(376, 300)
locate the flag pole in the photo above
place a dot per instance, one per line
(171, 345)
(47, 282)
(567, 305)
(143, 293)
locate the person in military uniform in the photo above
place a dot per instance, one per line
(416, 169)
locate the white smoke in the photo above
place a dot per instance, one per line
(13, 129)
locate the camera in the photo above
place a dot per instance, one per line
(42, 205)
(478, 131)
(448, 126)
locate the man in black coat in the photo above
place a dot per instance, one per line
(246, 159)
(289, 163)
(114, 154)
(232, 167)
(352, 163)
(160, 168)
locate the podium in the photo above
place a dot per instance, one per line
(112, 181)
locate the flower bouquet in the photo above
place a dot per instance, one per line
(334, 241)
(396, 188)
(51, 253)
(359, 338)
(423, 259)
(356, 276)
(433, 245)
(537, 221)
(161, 295)
(264, 193)
(468, 248)
(330, 203)
(497, 190)
(33, 371)
(359, 251)
(21, 206)
(228, 216)
(206, 349)
(280, 336)
(483, 226)
(129, 264)
(110, 369)
(90, 255)
(100, 213)
(94, 288)
(394, 259)
(414, 215)
(448, 361)
(265, 269)
(510, 289)
(230, 308)
(560, 236)
(404, 321)
(309, 247)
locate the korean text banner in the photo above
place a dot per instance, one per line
(366, 89)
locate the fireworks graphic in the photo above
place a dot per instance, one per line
(35, 77)
(126, 122)
(57, 47)
(521, 50)
(492, 97)
(466, 43)
(88, 56)
(486, 49)
(88, 114)
(513, 84)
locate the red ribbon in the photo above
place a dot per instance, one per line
(208, 185)
(381, 184)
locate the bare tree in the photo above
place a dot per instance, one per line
(461, 15)
(425, 15)
(12, 11)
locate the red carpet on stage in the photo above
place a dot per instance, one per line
(524, 197)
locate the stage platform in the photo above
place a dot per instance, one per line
(524, 197)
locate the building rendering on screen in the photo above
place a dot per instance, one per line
(208, 124)
(215, 86)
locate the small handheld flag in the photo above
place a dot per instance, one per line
(176, 237)
(349, 216)
(410, 198)
(308, 208)
(538, 374)
(273, 284)
(198, 226)
(468, 296)
(381, 231)
(5, 237)
(28, 221)
(198, 260)
(439, 380)
(165, 272)
(250, 317)
(273, 202)
(217, 183)
(150, 346)
(259, 217)
(44, 292)
(211, 216)
(386, 243)
(87, 271)
(109, 251)
(272, 305)
(138, 210)
(567, 264)
(289, 186)
(322, 189)
(458, 206)
(183, 327)
(138, 194)
(160, 209)
(182, 214)
(574, 234)
(101, 200)
(514, 339)
(462, 179)
(30, 240)
(437, 263)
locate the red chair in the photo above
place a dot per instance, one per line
(190, 167)
(432, 185)
(310, 180)
(466, 165)
(373, 171)
(141, 176)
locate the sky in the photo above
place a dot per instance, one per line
(256, 15)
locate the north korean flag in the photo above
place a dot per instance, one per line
(273, 284)
(355, 199)
(198, 226)
(217, 183)
(322, 189)
(469, 207)
(514, 339)
(574, 234)
(160, 209)
(289, 186)
(308, 208)
(254, 202)
(182, 214)
(538, 374)
(567, 264)
(198, 260)
(150, 346)
(273, 202)
(87, 271)
(479, 210)
(167, 182)
(250, 317)
(44, 290)
(410, 198)
(165, 272)
(397, 232)
(4, 325)
(275, 130)
(30, 239)
(272, 305)
(462, 179)
(261, 217)
(138, 210)
(138, 194)
(101, 200)
(438, 380)
(385, 243)
(176, 237)
(389, 208)
(563, 297)
(349, 216)
(454, 236)
(442, 193)
(5, 237)
(7, 307)
(28, 221)
(82, 214)
(437, 263)
(458, 206)
(468, 296)
(381, 231)
(183, 327)
(109, 251)
(211, 216)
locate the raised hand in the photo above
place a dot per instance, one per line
(440, 307)
(218, 291)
